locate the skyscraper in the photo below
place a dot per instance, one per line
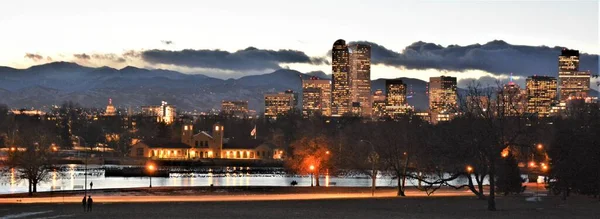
(395, 101)
(360, 77)
(278, 104)
(573, 83)
(512, 99)
(316, 96)
(443, 98)
(340, 100)
(541, 94)
(378, 104)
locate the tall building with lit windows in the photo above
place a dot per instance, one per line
(378, 104)
(573, 84)
(512, 99)
(340, 66)
(164, 113)
(110, 109)
(443, 98)
(278, 104)
(316, 97)
(395, 100)
(360, 77)
(541, 94)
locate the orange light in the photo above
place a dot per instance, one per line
(151, 167)
(540, 146)
(404, 153)
(532, 164)
(13, 149)
(312, 167)
(326, 152)
(54, 148)
(469, 169)
(544, 167)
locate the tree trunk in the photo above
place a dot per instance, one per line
(30, 191)
(492, 198)
(317, 179)
(34, 185)
(479, 195)
(400, 187)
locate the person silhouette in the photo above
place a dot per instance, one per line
(91, 185)
(90, 201)
(83, 202)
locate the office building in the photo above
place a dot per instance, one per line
(573, 84)
(316, 97)
(340, 94)
(395, 101)
(238, 108)
(443, 98)
(360, 77)
(278, 104)
(541, 95)
(378, 104)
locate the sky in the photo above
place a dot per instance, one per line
(213, 37)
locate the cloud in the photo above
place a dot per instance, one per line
(497, 57)
(34, 57)
(132, 54)
(248, 59)
(109, 57)
(166, 42)
(82, 56)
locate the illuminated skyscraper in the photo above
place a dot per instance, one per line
(340, 95)
(360, 77)
(443, 98)
(278, 104)
(541, 94)
(164, 113)
(378, 104)
(238, 108)
(316, 96)
(512, 99)
(573, 84)
(395, 101)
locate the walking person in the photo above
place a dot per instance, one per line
(83, 202)
(91, 185)
(89, 203)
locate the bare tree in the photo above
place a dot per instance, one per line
(311, 155)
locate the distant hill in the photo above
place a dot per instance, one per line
(51, 84)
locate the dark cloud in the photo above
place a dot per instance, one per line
(166, 42)
(247, 59)
(496, 57)
(34, 57)
(82, 56)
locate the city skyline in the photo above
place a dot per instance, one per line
(91, 42)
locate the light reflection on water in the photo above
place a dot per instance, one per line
(73, 178)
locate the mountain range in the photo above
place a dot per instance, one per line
(54, 83)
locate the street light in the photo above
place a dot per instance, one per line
(540, 146)
(150, 171)
(469, 169)
(312, 168)
(374, 158)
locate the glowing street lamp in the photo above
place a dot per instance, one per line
(151, 169)
(540, 146)
(469, 169)
(312, 169)
(327, 152)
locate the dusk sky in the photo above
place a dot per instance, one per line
(152, 34)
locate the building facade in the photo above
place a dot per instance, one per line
(316, 97)
(360, 77)
(340, 66)
(203, 145)
(110, 109)
(512, 100)
(164, 113)
(573, 84)
(378, 104)
(238, 108)
(541, 94)
(395, 101)
(278, 104)
(443, 98)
